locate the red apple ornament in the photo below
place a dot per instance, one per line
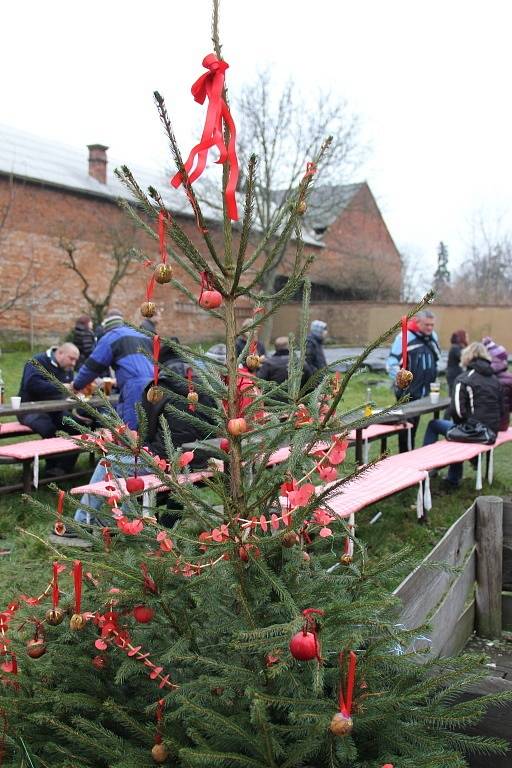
(134, 484)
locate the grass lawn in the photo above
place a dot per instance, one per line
(28, 565)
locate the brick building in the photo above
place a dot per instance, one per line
(52, 196)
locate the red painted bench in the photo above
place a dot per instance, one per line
(151, 483)
(28, 454)
(13, 429)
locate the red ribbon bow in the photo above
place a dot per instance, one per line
(211, 85)
(156, 357)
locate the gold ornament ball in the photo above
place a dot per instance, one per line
(403, 378)
(193, 397)
(341, 725)
(36, 648)
(253, 362)
(346, 559)
(55, 616)
(148, 308)
(76, 622)
(159, 753)
(163, 273)
(154, 394)
(289, 539)
(302, 208)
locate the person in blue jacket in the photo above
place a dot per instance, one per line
(423, 353)
(119, 348)
(35, 386)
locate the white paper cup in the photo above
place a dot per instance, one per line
(434, 397)
(15, 402)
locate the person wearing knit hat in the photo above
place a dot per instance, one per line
(498, 353)
(499, 364)
(83, 338)
(120, 348)
(315, 355)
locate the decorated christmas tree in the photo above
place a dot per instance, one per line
(243, 624)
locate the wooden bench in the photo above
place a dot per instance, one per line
(13, 429)
(29, 452)
(151, 483)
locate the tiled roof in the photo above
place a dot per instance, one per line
(51, 163)
(37, 159)
(327, 202)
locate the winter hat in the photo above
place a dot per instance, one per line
(498, 353)
(317, 328)
(218, 353)
(113, 319)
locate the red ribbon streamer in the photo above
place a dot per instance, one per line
(310, 170)
(60, 502)
(55, 585)
(150, 288)
(77, 579)
(159, 716)
(156, 357)
(161, 237)
(210, 85)
(345, 698)
(404, 341)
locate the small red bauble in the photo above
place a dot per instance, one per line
(304, 646)
(243, 554)
(143, 614)
(224, 444)
(237, 426)
(100, 662)
(134, 484)
(210, 299)
(36, 648)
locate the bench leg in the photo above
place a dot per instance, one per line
(359, 446)
(383, 444)
(26, 477)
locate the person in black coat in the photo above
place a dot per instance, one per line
(275, 367)
(174, 379)
(35, 386)
(458, 340)
(83, 338)
(477, 397)
(315, 355)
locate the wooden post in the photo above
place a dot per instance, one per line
(489, 538)
(507, 544)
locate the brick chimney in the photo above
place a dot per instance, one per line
(98, 162)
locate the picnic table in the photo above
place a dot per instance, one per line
(52, 406)
(401, 414)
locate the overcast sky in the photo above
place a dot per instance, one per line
(430, 81)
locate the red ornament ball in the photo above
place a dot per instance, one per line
(304, 646)
(99, 662)
(210, 299)
(224, 444)
(143, 614)
(134, 484)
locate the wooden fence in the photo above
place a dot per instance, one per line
(472, 592)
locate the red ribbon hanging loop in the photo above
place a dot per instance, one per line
(156, 357)
(161, 237)
(55, 585)
(210, 85)
(345, 698)
(404, 342)
(77, 580)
